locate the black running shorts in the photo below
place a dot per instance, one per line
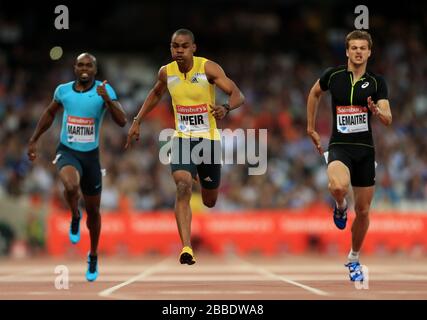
(359, 159)
(86, 163)
(198, 156)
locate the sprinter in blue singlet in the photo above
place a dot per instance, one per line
(84, 102)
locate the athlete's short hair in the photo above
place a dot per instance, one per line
(184, 32)
(358, 35)
(88, 55)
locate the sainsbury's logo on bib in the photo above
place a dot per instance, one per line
(80, 129)
(193, 118)
(352, 119)
(192, 109)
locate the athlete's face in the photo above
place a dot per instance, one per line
(182, 48)
(85, 69)
(358, 51)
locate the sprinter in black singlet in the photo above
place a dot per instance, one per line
(357, 95)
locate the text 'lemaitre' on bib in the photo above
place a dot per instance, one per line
(352, 119)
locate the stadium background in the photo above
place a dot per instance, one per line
(274, 51)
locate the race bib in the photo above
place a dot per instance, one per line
(193, 118)
(80, 129)
(352, 119)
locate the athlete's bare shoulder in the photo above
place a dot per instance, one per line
(163, 75)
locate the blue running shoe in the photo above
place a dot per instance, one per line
(340, 217)
(355, 270)
(75, 229)
(92, 268)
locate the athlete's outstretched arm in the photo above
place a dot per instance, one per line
(216, 74)
(44, 123)
(312, 105)
(381, 109)
(150, 102)
(117, 112)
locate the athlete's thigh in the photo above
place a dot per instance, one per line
(69, 167)
(363, 198)
(209, 176)
(364, 169)
(91, 181)
(69, 175)
(338, 173)
(339, 166)
(209, 170)
(180, 157)
(182, 176)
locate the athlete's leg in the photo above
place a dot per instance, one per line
(210, 175)
(91, 185)
(339, 181)
(183, 181)
(93, 222)
(209, 197)
(362, 198)
(70, 178)
(362, 201)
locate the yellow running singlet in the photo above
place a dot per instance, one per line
(192, 98)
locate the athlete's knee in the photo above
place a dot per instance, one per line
(338, 189)
(93, 211)
(71, 187)
(209, 201)
(362, 211)
(183, 189)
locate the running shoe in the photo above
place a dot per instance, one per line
(355, 269)
(340, 217)
(92, 268)
(187, 256)
(75, 229)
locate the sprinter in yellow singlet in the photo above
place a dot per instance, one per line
(191, 82)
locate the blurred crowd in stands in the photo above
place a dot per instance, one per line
(274, 61)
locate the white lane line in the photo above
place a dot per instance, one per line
(155, 268)
(274, 276)
(222, 292)
(206, 277)
(184, 292)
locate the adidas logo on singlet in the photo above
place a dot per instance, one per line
(194, 79)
